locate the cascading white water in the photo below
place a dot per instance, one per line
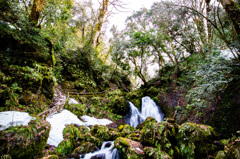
(136, 116)
(106, 152)
(149, 109)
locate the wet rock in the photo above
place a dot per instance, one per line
(129, 149)
(84, 148)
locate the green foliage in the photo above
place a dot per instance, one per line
(196, 140)
(25, 141)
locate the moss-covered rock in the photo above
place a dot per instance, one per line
(196, 140)
(114, 133)
(77, 109)
(119, 105)
(162, 135)
(25, 141)
(51, 157)
(135, 97)
(126, 129)
(231, 149)
(64, 148)
(85, 147)
(77, 134)
(135, 136)
(226, 119)
(6, 157)
(148, 120)
(154, 153)
(101, 132)
(129, 149)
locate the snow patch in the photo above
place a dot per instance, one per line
(93, 121)
(72, 101)
(14, 118)
(58, 122)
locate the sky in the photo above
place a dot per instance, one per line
(131, 5)
(118, 19)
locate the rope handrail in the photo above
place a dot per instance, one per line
(89, 93)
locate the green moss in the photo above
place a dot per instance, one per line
(196, 140)
(25, 141)
(136, 136)
(101, 132)
(77, 109)
(125, 149)
(154, 153)
(119, 105)
(65, 147)
(135, 97)
(85, 147)
(231, 149)
(161, 135)
(127, 129)
(147, 121)
(226, 118)
(51, 157)
(6, 157)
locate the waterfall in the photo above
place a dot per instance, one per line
(106, 152)
(136, 117)
(149, 109)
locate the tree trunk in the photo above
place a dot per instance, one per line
(36, 11)
(98, 27)
(233, 12)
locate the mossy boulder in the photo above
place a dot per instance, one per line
(135, 97)
(231, 149)
(6, 157)
(196, 140)
(114, 133)
(226, 119)
(77, 109)
(152, 91)
(129, 149)
(135, 136)
(28, 97)
(51, 157)
(25, 141)
(148, 120)
(85, 147)
(77, 134)
(162, 135)
(154, 153)
(101, 132)
(119, 105)
(126, 129)
(64, 148)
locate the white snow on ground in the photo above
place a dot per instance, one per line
(72, 101)
(93, 121)
(14, 118)
(65, 117)
(227, 54)
(58, 122)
